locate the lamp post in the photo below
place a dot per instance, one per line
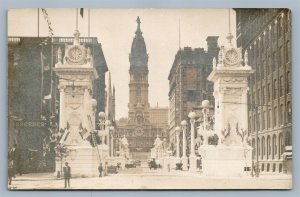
(192, 158)
(184, 158)
(107, 135)
(111, 140)
(177, 130)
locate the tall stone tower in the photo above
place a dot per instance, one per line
(138, 84)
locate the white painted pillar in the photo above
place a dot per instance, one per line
(62, 123)
(177, 145)
(86, 108)
(192, 121)
(184, 142)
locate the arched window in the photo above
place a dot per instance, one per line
(289, 84)
(281, 56)
(289, 112)
(268, 147)
(288, 139)
(269, 118)
(274, 146)
(258, 122)
(282, 114)
(280, 144)
(275, 117)
(281, 86)
(275, 87)
(287, 51)
(280, 26)
(274, 63)
(263, 147)
(269, 92)
(263, 95)
(264, 124)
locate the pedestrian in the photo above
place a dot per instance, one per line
(105, 169)
(67, 174)
(100, 169)
(169, 167)
(11, 172)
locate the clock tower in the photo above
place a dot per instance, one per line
(138, 106)
(230, 77)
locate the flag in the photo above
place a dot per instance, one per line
(81, 12)
(47, 97)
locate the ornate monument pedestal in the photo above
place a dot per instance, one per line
(226, 161)
(83, 160)
(76, 74)
(232, 155)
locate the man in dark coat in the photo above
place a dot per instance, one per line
(100, 169)
(67, 174)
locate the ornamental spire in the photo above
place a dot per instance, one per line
(138, 30)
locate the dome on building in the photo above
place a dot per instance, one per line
(138, 55)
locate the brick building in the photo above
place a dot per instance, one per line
(266, 35)
(188, 84)
(33, 95)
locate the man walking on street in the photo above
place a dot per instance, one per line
(67, 174)
(100, 169)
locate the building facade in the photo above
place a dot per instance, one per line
(138, 127)
(266, 35)
(188, 84)
(34, 98)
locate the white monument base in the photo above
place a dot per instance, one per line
(193, 163)
(184, 161)
(225, 161)
(83, 160)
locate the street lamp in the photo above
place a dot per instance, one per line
(111, 140)
(177, 130)
(101, 117)
(184, 158)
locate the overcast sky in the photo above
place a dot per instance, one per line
(115, 29)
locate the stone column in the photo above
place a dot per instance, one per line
(62, 123)
(177, 130)
(192, 121)
(184, 159)
(86, 108)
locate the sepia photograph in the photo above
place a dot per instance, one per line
(149, 99)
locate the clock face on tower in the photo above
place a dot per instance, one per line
(75, 54)
(232, 57)
(139, 131)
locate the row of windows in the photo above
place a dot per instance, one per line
(271, 146)
(262, 121)
(261, 97)
(271, 63)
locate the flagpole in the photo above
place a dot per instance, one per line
(38, 26)
(89, 25)
(76, 18)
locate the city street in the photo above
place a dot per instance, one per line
(143, 178)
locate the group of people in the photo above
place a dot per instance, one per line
(67, 172)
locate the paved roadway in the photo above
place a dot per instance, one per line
(143, 178)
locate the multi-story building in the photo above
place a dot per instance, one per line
(188, 82)
(33, 96)
(139, 128)
(266, 35)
